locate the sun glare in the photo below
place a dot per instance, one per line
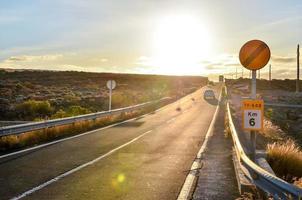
(180, 42)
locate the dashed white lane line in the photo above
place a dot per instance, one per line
(170, 120)
(43, 185)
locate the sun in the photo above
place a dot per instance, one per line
(180, 42)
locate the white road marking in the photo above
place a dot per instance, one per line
(170, 120)
(43, 185)
(188, 184)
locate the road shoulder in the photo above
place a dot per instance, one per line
(217, 179)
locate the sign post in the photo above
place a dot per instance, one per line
(253, 135)
(111, 84)
(253, 55)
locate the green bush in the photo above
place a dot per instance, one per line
(71, 111)
(76, 110)
(32, 109)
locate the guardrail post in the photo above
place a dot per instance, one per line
(253, 144)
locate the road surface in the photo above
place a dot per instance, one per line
(146, 158)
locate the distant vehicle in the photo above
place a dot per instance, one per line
(209, 95)
(221, 78)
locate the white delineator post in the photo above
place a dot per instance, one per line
(110, 95)
(253, 96)
(110, 85)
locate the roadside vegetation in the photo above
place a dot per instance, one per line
(285, 158)
(281, 136)
(13, 142)
(41, 95)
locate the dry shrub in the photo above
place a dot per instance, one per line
(227, 129)
(286, 159)
(298, 182)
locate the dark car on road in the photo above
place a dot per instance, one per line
(209, 95)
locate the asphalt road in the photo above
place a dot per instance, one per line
(146, 158)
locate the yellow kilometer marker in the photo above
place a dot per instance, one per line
(252, 115)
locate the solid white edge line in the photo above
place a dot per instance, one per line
(170, 120)
(43, 185)
(188, 184)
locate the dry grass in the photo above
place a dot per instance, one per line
(298, 182)
(227, 129)
(247, 196)
(286, 159)
(8, 143)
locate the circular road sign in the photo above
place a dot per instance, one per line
(111, 84)
(254, 54)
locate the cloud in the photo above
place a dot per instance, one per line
(16, 59)
(144, 61)
(220, 62)
(38, 58)
(213, 66)
(233, 64)
(284, 59)
(283, 21)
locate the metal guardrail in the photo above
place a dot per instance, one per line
(22, 128)
(283, 105)
(269, 183)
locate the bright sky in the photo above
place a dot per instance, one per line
(147, 36)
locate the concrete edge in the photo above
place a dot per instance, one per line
(187, 188)
(244, 184)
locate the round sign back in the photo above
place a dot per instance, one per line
(111, 84)
(254, 54)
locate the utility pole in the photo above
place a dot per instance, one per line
(298, 69)
(242, 73)
(259, 74)
(270, 73)
(236, 72)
